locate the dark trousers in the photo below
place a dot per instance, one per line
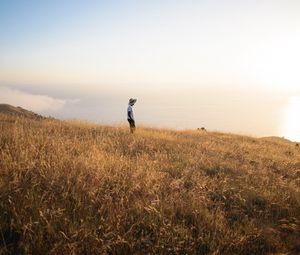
(131, 125)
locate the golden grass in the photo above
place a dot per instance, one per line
(79, 188)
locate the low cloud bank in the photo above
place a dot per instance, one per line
(33, 102)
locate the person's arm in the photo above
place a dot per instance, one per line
(130, 114)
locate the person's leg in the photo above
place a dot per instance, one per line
(132, 126)
(129, 124)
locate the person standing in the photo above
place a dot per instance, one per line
(130, 117)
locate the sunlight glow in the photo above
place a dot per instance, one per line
(292, 119)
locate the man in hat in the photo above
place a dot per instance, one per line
(130, 117)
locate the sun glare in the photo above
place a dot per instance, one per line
(292, 119)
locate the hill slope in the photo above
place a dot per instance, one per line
(72, 188)
(18, 111)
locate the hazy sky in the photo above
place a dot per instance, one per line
(227, 65)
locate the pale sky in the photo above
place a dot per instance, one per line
(229, 65)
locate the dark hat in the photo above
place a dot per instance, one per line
(132, 100)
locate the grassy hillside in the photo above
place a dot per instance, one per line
(76, 188)
(18, 112)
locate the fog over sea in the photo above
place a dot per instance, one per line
(239, 110)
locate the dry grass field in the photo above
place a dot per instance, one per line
(80, 188)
